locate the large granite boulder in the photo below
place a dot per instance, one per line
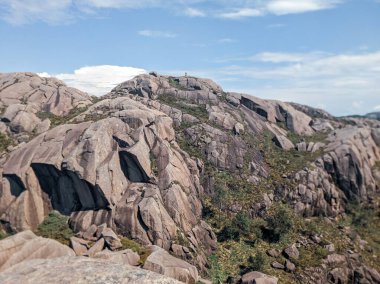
(72, 270)
(25, 246)
(162, 262)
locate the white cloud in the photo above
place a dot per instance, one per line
(20, 12)
(241, 13)
(226, 40)
(97, 80)
(192, 12)
(283, 7)
(344, 83)
(279, 7)
(377, 108)
(157, 34)
(277, 57)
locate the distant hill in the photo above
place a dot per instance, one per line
(373, 115)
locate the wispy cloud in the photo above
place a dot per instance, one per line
(276, 26)
(157, 34)
(344, 83)
(18, 12)
(241, 13)
(279, 7)
(226, 40)
(192, 12)
(97, 80)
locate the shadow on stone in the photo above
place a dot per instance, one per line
(67, 192)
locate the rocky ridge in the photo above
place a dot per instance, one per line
(150, 156)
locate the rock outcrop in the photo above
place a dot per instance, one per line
(27, 246)
(84, 270)
(45, 94)
(162, 262)
(149, 160)
(344, 173)
(126, 171)
(25, 96)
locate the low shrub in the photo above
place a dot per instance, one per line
(56, 227)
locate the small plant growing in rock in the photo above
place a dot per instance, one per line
(4, 142)
(216, 273)
(255, 263)
(279, 223)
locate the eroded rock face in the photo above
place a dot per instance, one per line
(85, 270)
(126, 171)
(24, 96)
(25, 246)
(45, 94)
(118, 166)
(344, 173)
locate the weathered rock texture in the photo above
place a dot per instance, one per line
(26, 246)
(23, 96)
(45, 94)
(72, 270)
(344, 173)
(139, 162)
(162, 262)
(126, 171)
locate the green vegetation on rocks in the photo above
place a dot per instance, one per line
(58, 120)
(142, 251)
(5, 142)
(56, 227)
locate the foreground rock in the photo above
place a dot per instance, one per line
(124, 257)
(162, 262)
(73, 270)
(25, 246)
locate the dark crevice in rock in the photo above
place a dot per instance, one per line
(141, 221)
(16, 184)
(254, 107)
(121, 143)
(131, 168)
(68, 192)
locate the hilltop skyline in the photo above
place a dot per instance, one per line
(322, 53)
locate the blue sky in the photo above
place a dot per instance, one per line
(325, 53)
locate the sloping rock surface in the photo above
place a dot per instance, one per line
(74, 270)
(25, 246)
(162, 262)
